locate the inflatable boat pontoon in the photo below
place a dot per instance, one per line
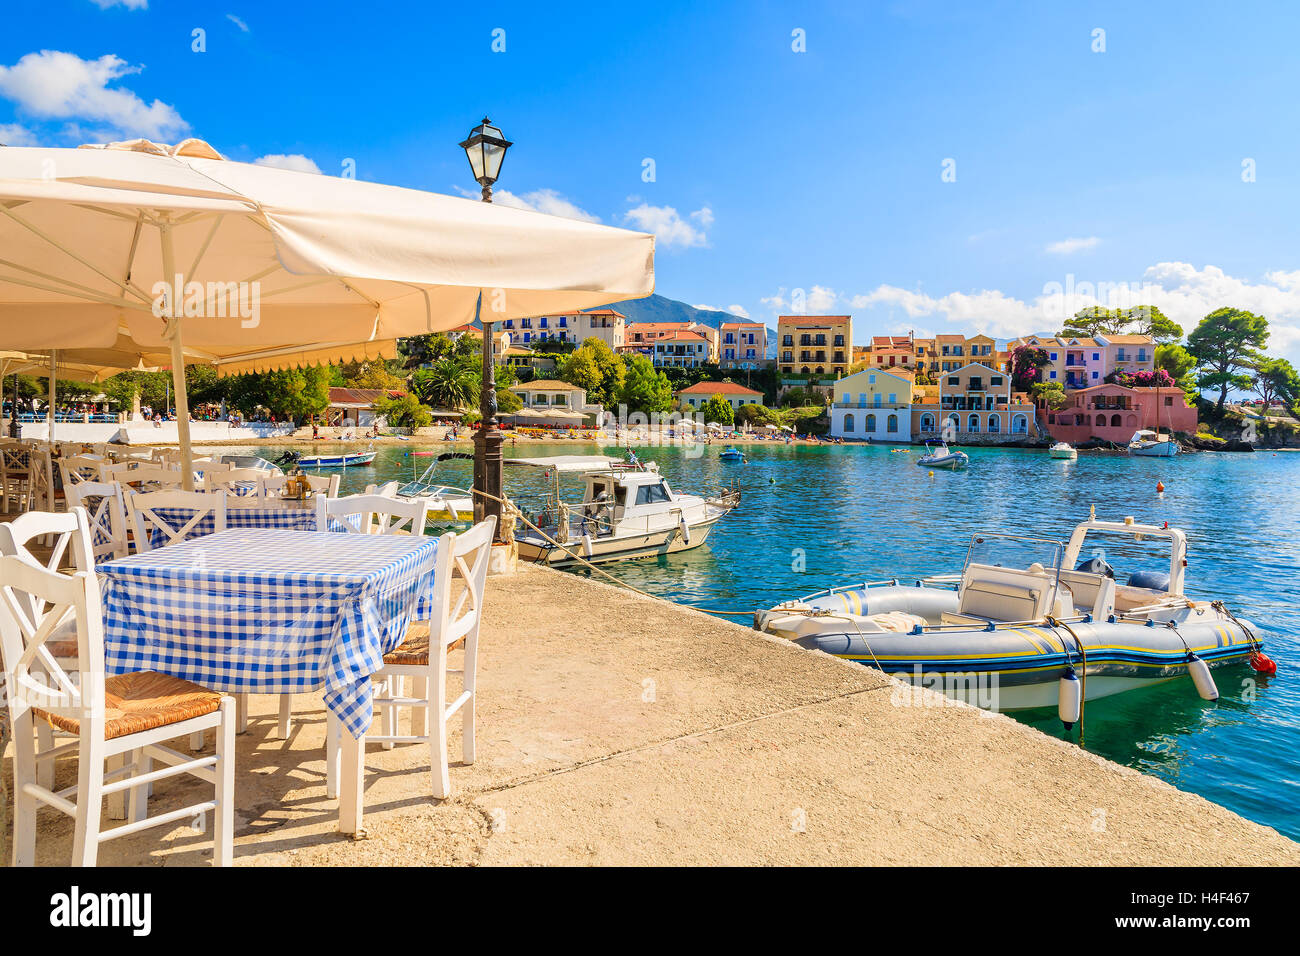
(1032, 623)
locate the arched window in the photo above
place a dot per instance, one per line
(1019, 425)
(995, 424)
(927, 422)
(871, 424)
(1115, 421)
(955, 422)
(891, 424)
(804, 370)
(1132, 421)
(973, 425)
(848, 423)
(1101, 419)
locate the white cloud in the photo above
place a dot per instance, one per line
(1180, 290)
(56, 85)
(237, 22)
(539, 200)
(819, 300)
(671, 229)
(1069, 246)
(129, 4)
(736, 310)
(11, 134)
(294, 161)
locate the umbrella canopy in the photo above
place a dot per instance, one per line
(196, 258)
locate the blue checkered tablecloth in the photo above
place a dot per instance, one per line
(272, 612)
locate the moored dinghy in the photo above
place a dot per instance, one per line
(1032, 623)
(940, 456)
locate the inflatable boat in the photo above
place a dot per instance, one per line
(940, 457)
(1033, 623)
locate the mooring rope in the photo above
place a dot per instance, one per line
(519, 515)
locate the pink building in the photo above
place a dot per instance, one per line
(1114, 413)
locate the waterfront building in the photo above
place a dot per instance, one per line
(892, 351)
(978, 402)
(743, 345)
(819, 346)
(955, 350)
(738, 395)
(873, 404)
(1078, 362)
(1114, 412)
(680, 350)
(925, 412)
(550, 393)
(641, 336)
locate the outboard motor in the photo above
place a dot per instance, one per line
(288, 458)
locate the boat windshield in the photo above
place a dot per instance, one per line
(1131, 559)
(1015, 553)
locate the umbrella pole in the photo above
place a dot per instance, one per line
(178, 358)
(49, 435)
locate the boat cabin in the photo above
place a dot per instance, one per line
(612, 497)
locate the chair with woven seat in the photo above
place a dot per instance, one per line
(459, 583)
(127, 716)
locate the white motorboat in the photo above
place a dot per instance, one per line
(447, 503)
(628, 510)
(1149, 444)
(1063, 450)
(939, 456)
(1034, 623)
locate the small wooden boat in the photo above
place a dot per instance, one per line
(328, 461)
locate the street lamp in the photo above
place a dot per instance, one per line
(486, 149)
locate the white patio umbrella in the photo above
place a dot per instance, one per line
(246, 267)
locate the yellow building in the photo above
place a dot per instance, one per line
(818, 345)
(874, 405)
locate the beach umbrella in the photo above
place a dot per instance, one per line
(247, 268)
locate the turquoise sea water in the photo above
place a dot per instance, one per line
(864, 513)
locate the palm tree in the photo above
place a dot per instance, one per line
(447, 384)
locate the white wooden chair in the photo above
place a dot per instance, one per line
(224, 480)
(459, 582)
(126, 716)
(365, 514)
(376, 514)
(272, 486)
(26, 474)
(388, 489)
(106, 513)
(142, 510)
(77, 469)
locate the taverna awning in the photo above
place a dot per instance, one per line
(199, 259)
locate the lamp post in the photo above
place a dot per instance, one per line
(486, 149)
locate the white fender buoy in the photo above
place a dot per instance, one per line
(1202, 678)
(586, 545)
(1070, 701)
(685, 528)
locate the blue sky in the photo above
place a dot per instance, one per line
(1168, 161)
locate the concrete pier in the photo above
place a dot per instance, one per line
(617, 729)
